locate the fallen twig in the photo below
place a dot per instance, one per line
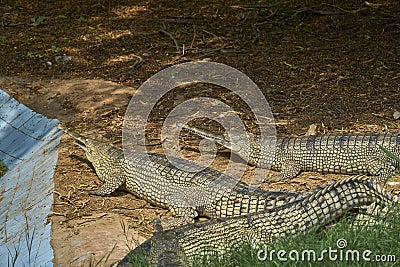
(136, 65)
(254, 6)
(255, 31)
(163, 31)
(320, 12)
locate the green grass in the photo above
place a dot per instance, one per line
(139, 261)
(377, 245)
(3, 168)
(380, 240)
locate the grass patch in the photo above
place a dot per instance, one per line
(139, 261)
(3, 168)
(337, 245)
(343, 246)
(376, 245)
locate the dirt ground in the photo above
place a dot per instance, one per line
(334, 65)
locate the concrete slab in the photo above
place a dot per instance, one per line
(28, 146)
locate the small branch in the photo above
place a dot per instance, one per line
(136, 65)
(194, 36)
(318, 12)
(124, 75)
(255, 31)
(254, 6)
(267, 18)
(13, 24)
(163, 31)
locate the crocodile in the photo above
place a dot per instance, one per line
(215, 237)
(345, 153)
(186, 192)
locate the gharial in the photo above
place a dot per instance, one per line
(182, 245)
(180, 187)
(331, 153)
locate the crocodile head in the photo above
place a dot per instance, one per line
(90, 147)
(103, 156)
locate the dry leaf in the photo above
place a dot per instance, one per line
(396, 115)
(312, 130)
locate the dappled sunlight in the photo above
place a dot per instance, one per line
(129, 12)
(330, 67)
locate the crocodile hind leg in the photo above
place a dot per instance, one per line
(289, 170)
(180, 216)
(371, 216)
(381, 169)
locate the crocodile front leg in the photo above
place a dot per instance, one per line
(109, 186)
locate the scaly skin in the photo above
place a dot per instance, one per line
(179, 246)
(186, 193)
(331, 153)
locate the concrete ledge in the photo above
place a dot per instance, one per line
(28, 146)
